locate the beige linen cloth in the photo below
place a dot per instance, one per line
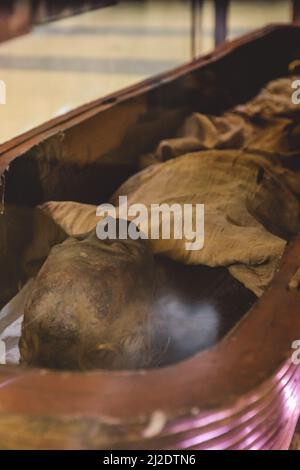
(250, 210)
(269, 123)
(239, 170)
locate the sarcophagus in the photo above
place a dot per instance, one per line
(236, 388)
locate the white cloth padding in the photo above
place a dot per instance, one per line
(11, 318)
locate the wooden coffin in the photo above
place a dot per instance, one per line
(242, 393)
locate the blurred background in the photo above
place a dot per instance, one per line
(57, 55)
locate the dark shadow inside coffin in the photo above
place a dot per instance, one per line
(199, 305)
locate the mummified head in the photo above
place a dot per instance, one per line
(90, 307)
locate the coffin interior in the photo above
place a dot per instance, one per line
(85, 155)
